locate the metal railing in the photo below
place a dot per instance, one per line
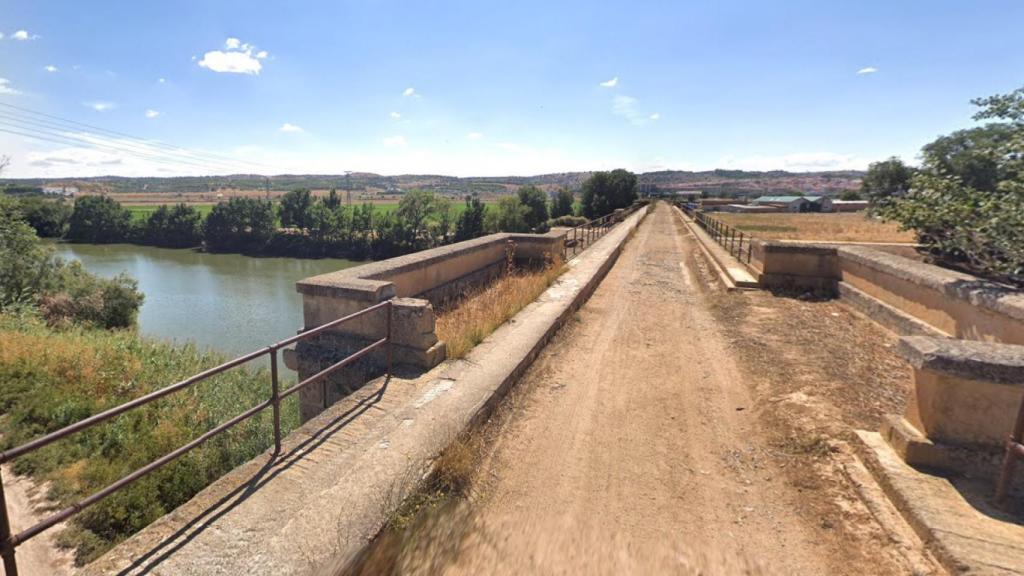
(9, 542)
(734, 241)
(1014, 450)
(578, 238)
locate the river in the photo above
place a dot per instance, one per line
(231, 303)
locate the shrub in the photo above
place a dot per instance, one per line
(568, 221)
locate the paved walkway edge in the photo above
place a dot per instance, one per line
(367, 454)
(733, 273)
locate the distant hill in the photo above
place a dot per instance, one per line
(714, 182)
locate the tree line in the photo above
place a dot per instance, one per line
(966, 200)
(304, 225)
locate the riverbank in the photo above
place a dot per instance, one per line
(55, 377)
(226, 302)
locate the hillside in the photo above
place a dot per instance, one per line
(715, 182)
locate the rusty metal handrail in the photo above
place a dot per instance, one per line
(9, 542)
(587, 233)
(728, 237)
(1014, 450)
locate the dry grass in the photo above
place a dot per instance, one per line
(473, 318)
(839, 227)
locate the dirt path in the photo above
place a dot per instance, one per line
(635, 447)
(39, 556)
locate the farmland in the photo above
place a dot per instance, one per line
(838, 227)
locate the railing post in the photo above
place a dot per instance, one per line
(275, 397)
(6, 548)
(390, 308)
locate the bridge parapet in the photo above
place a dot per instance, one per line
(417, 282)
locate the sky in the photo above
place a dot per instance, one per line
(480, 88)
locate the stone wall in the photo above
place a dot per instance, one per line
(907, 295)
(417, 282)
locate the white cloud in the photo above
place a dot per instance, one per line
(152, 113)
(611, 83)
(475, 136)
(236, 58)
(655, 116)
(868, 70)
(395, 115)
(162, 80)
(1, 35)
(286, 127)
(100, 106)
(5, 87)
(796, 162)
(394, 141)
(410, 92)
(509, 146)
(50, 68)
(24, 35)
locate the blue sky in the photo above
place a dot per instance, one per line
(497, 88)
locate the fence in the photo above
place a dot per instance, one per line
(734, 241)
(9, 542)
(578, 238)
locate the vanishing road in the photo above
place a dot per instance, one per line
(633, 446)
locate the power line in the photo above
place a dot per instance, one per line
(99, 142)
(208, 159)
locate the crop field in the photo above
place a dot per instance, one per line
(142, 211)
(831, 227)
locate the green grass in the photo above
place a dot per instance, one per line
(141, 213)
(52, 378)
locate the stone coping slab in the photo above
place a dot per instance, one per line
(985, 294)
(371, 279)
(967, 537)
(988, 361)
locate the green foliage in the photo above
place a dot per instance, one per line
(239, 224)
(605, 192)
(99, 220)
(510, 216)
(53, 378)
(850, 195)
(536, 203)
(568, 221)
(563, 204)
(177, 227)
(471, 222)
(26, 266)
(65, 292)
(49, 218)
(417, 211)
(296, 209)
(967, 201)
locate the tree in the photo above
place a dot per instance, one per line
(99, 220)
(536, 204)
(239, 224)
(26, 265)
(471, 222)
(850, 195)
(966, 203)
(332, 201)
(605, 192)
(885, 182)
(415, 211)
(296, 209)
(177, 227)
(563, 204)
(48, 218)
(510, 216)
